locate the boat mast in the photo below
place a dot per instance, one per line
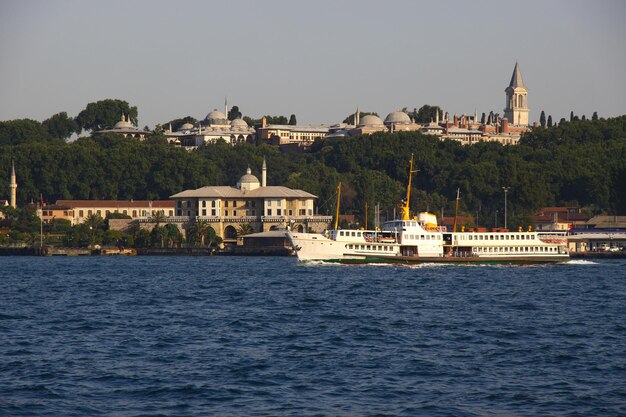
(456, 210)
(337, 209)
(405, 209)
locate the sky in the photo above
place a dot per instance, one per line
(319, 60)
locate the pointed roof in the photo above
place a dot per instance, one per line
(12, 168)
(516, 78)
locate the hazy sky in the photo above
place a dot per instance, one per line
(318, 59)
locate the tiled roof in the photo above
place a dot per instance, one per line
(116, 203)
(233, 192)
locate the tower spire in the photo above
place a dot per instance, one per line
(13, 186)
(516, 78)
(264, 174)
(226, 106)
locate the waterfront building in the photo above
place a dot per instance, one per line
(125, 128)
(251, 204)
(78, 210)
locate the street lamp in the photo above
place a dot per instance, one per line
(506, 190)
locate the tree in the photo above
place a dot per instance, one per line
(542, 119)
(550, 121)
(292, 120)
(426, 113)
(482, 119)
(158, 217)
(15, 132)
(234, 113)
(245, 229)
(60, 126)
(350, 119)
(594, 117)
(176, 124)
(571, 116)
(104, 114)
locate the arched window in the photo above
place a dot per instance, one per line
(230, 232)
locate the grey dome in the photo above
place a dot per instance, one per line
(215, 115)
(371, 120)
(239, 123)
(399, 117)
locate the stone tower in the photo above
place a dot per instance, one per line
(13, 186)
(516, 110)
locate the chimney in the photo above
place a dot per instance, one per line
(455, 121)
(505, 125)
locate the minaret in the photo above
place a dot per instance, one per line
(357, 117)
(264, 174)
(516, 110)
(226, 106)
(13, 186)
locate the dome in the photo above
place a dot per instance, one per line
(370, 120)
(248, 181)
(122, 124)
(186, 126)
(398, 117)
(239, 123)
(215, 115)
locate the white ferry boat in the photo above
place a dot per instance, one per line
(421, 240)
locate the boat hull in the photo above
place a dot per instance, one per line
(446, 260)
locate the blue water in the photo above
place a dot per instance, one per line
(216, 336)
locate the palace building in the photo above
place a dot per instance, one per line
(251, 203)
(213, 128)
(126, 128)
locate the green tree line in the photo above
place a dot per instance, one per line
(580, 163)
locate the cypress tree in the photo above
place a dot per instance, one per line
(594, 117)
(550, 121)
(542, 119)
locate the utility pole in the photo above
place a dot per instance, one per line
(506, 190)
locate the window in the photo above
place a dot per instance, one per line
(204, 212)
(212, 212)
(226, 212)
(226, 203)
(171, 213)
(279, 212)
(254, 212)
(291, 212)
(279, 203)
(203, 203)
(234, 212)
(269, 212)
(213, 203)
(80, 213)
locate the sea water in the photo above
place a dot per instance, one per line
(254, 336)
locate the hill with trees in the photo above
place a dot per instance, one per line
(580, 163)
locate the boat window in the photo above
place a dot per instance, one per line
(491, 237)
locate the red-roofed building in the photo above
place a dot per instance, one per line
(559, 218)
(81, 209)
